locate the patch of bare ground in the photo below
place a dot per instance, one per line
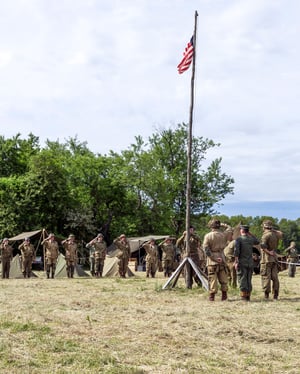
(113, 325)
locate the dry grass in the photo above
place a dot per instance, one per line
(116, 325)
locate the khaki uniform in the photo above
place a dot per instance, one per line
(99, 254)
(6, 257)
(269, 263)
(51, 256)
(196, 254)
(229, 256)
(292, 258)
(70, 256)
(123, 255)
(151, 259)
(168, 256)
(27, 254)
(214, 244)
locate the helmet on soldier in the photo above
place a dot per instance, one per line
(214, 224)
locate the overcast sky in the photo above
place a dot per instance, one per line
(105, 71)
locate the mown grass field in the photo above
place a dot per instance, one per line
(131, 325)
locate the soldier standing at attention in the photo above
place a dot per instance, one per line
(6, 257)
(195, 249)
(27, 254)
(98, 249)
(244, 260)
(70, 247)
(292, 258)
(151, 257)
(269, 262)
(51, 254)
(168, 255)
(214, 244)
(123, 246)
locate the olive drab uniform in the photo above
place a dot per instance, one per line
(152, 257)
(214, 244)
(70, 247)
(51, 255)
(27, 255)
(123, 255)
(244, 261)
(6, 257)
(229, 256)
(292, 259)
(269, 261)
(195, 252)
(100, 254)
(168, 256)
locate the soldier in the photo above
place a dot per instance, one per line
(151, 257)
(229, 256)
(98, 249)
(28, 255)
(195, 250)
(70, 247)
(268, 261)
(292, 258)
(168, 255)
(51, 254)
(214, 244)
(123, 255)
(244, 260)
(6, 257)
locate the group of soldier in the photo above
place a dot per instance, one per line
(225, 260)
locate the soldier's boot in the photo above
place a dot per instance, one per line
(266, 295)
(275, 295)
(24, 274)
(224, 296)
(248, 296)
(211, 297)
(147, 275)
(48, 275)
(100, 274)
(244, 295)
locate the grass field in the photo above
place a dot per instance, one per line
(131, 325)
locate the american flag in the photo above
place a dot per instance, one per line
(187, 57)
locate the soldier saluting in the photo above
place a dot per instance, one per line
(70, 247)
(51, 254)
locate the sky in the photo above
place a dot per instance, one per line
(105, 71)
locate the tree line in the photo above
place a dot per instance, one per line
(65, 187)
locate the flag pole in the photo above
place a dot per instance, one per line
(189, 159)
(189, 146)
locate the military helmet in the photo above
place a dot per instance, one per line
(27, 239)
(100, 235)
(267, 224)
(71, 236)
(214, 223)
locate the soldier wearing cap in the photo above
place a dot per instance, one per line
(244, 260)
(152, 256)
(229, 256)
(98, 249)
(123, 255)
(292, 259)
(268, 261)
(214, 244)
(70, 247)
(27, 255)
(6, 257)
(51, 254)
(168, 255)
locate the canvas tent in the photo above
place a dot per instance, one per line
(111, 262)
(61, 269)
(16, 269)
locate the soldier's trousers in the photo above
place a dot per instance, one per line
(151, 267)
(26, 266)
(99, 264)
(232, 276)
(245, 278)
(269, 273)
(70, 268)
(292, 270)
(167, 267)
(123, 266)
(50, 268)
(217, 273)
(5, 267)
(92, 265)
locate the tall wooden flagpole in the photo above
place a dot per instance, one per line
(187, 262)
